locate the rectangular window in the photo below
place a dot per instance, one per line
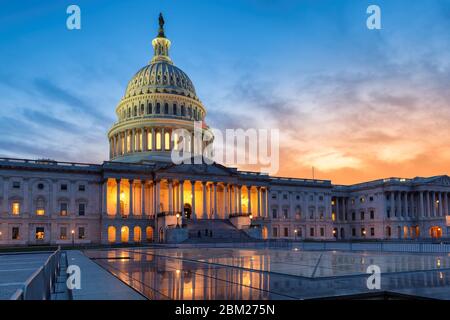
(81, 233)
(64, 187)
(362, 215)
(363, 232)
(275, 232)
(81, 209)
(353, 216)
(16, 185)
(372, 215)
(353, 232)
(63, 233)
(15, 208)
(274, 213)
(311, 232)
(286, 232)
(322, 232)
(333, 216)
(285, 196)
(285, 213)
(15, 233)
(40, 234)
(40, 212)
(81, 187)
(63, 209)
(372, 232)
(149, 141)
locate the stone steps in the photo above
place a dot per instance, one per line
(222, 231)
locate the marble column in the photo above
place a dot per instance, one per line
(433, 204)
(204, 207)
(258, 192)
(194, 215)
(181, 190)
(130, 200)
(239, 199)
(118, 197)
(143, 197)
(225, 200)
(422, 208)
(133, 140)
(428, 204)
(440, 205)
(170, 186)
(105, 197)
(249, 197)
(215, 200)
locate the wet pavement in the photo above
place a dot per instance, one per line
(247, 274)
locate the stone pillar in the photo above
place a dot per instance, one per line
(194, 215)
(428, 204)
(225, 200)
(143, 197)
(440, 205)
(422, 208)
(267, 201)
(105, 197)
(170, 186)
(239, 199)
(157, 201)
(163, 140)
(153, 139)
(144, 139)
(258, 193)
(405, 201)
(130, 200)
(433, 204)
(181, 190)
(205, 210)
(133, 140)
(337, 207)
(249, 197)
(215, 200)
(118, 197)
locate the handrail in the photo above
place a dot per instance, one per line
(40, 284)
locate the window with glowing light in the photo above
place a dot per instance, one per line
(15, 208)
(40, 207)
(158, 141)
(149, 141)
(63, 233)
(40, 234)
(15, 235)
(167, 141)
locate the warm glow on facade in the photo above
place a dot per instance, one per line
(40, 212)
(15, 208)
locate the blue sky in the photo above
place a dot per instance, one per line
(349, 101)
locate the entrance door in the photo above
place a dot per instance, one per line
(187, 210)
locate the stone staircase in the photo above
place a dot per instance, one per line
(214, 231)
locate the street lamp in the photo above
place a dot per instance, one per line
(73, 237)
(178, 220)
(250, 216)
(295, 234)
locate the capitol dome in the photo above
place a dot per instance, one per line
(161, 77)
(159, 99)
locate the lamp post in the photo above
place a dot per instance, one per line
(295, 234)
(178, 220)
(73, 238)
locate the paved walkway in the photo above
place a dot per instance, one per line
(97, 283)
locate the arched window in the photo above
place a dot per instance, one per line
(183, 111)
(166, 108)
(167, 141)
(158, 108)
(111, 234)
(137, 234)
(175, 141)
(149, 108)
(129, 112)
(158, 141)
(142, 109)
(40, 206)
(149, 140)
(135, 111)
(174, 109)
(124, 234)
(189, 112)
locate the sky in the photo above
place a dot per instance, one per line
(355, 104)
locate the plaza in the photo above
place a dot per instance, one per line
(273, 273)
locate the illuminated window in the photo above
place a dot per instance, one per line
(111, 234)
(158, 141)
(149, 141)
(175, 141)
(40, 212)
(167, 141)
(128, 142)
(333, 216)
(140, 140)
(40, 234)
(63, 209)
(40, 207)
(15, 208)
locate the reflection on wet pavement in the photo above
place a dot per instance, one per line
(247, 274)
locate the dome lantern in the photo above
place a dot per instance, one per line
(161, 45)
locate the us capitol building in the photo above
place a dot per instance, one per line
(139, 195)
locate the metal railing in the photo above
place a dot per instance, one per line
(40, 284)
